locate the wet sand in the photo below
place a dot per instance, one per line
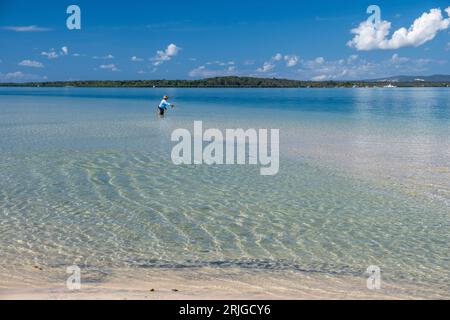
(206, 284)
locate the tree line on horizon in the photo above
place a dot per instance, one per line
(228, 82)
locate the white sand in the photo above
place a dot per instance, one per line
(203, 284)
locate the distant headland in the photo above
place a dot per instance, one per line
(249, 82)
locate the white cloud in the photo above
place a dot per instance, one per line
(369, 36)
(352, 58)
(136, 59)
(358, 68)
(64, 51)
(291, 60)
(107, 57)
(26, 28)
(321, 77)
(31, 63)
(14, 75)
(320, 60)
(20, 76)
(277, 57)
(199, 72)
(52, 54)
(352, 67)
(165, 55)
(271, 64)
(267, 66)
(220, 63)
(219, 71)
(111, 67)
(395, 59)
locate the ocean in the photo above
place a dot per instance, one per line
(86, 179)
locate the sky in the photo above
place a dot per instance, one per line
(305, 40)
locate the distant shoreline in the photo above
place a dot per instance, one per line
(232, 82)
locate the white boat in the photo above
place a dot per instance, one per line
(390, 86)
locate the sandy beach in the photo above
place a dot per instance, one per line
(207, 283)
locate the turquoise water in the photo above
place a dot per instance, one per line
(86, 178)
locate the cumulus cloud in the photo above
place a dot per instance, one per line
(165, 55)
(19, 76)
(136, 59)
(33, 28)
(354, 67)
(15, 75)
(319, 60)
(321, 77)
(291, 60)
(214, 71)
(111, 67)
(64, 51)
(319, 69)
(277, 57)
(271, 64)
(369, 36)
(107, 57)
(352, 58)
(266, 67)
(395, 59)
(31, 63)
(220, 63)
(52, 54)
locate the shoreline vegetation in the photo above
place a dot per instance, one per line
(237, 82)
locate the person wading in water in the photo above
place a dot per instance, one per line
(164, 105)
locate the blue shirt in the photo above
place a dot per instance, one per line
(164, 104)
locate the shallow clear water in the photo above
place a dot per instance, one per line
(86, 178)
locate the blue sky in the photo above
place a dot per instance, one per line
(196, 39)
